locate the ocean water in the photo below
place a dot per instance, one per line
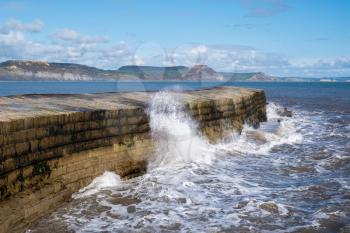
(290, 175)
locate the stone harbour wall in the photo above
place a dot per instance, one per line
(53, 145)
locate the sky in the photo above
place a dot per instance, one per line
(305, 38)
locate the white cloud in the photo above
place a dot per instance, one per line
(69, 35)
(339, 66)
(199, 49)
(227, 57)
(15, 25)
(338, 63)
(138, 61)
(17, 45)
(72, 46)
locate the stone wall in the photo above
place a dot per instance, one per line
(220, 115)
(53, 145)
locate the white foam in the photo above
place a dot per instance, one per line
(176, 134)
(262, 140)
(282, 209)
(108, 179)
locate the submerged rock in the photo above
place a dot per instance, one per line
(241, 204)
(131, 209)
(269, 207)
(284, 112)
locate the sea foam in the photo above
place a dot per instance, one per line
(277, 131)
(176, 135)
(106, 180)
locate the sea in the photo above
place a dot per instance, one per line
(292, 174)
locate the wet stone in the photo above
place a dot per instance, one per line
(131, 209)
(284, 112)
(182, 200)
(123, 200)
(269, 207)
(241, 204)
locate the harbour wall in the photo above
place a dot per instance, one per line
(53, 145)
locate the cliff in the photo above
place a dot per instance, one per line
(155, 73)
(202, 73)
(40, 71)
(45, 71)
(53, 145)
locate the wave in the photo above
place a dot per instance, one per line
(107, 180)
(176, 135)
(181, 152)
(276, 131)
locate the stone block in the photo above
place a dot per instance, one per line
(22, 148)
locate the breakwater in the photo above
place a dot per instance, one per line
(53, 145)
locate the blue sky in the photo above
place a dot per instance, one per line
(307, 38)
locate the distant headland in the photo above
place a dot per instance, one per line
(18, 70)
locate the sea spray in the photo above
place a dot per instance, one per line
(176, 135)
(276, 131)
(106, 180)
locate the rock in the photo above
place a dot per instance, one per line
(284, 112)
(131, 209)
(269, 207)
(182, 200)
(257, 136)
(241, 204)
